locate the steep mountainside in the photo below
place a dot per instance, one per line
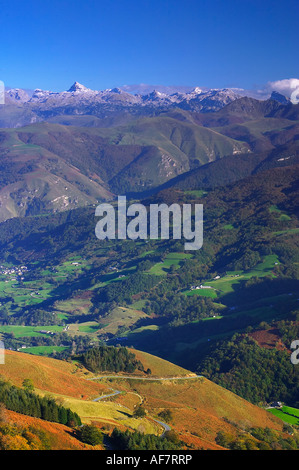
(199, 408)
(50, 167)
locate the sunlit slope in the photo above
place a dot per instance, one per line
(49, 375)
(58, 436)
(200, 408)
(160, 367)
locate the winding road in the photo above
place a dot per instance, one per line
(144, 378)
(117, 392)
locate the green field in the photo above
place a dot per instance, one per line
(287, 414)
(171, 259)
(22, 331)
(226, 283)
(72, 306)
(202, 292)
(32, 292)
(44, 350)
(287, 231)
(24, 294)
(138, 305)
(282, 216)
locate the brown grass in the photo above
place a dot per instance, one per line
(50, 375)
(160, 367)
(200, 408)
(268, 339)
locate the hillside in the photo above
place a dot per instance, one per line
(62, 164)
(49, 375)
(51, 167)
(140, 293)
(40, 434)
(200, 408)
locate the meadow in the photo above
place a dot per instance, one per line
(171, 259)
(287, 414)
(226, 283)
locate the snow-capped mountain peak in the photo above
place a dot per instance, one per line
(197, 91)
(78, 87)
(80, 100)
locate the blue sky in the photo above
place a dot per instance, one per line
(107, 43)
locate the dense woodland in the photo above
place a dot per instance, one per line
(109, 358)
(138, 441)
(260, 375)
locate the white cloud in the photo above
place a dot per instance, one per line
(288, 87)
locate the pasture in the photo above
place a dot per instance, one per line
(171, 259)
(287, 414)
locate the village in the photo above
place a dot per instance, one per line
(14, 273)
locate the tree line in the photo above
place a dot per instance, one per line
(28, 403)
(138, 441)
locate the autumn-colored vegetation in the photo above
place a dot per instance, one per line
(48, 374)
(199, 409)
(20, 432)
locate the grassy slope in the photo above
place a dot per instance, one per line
(198, 405)
(160, 367)
(287, 414)
(179, 139)
(49, 375)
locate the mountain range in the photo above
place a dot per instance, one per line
(65, 150)
(24, 108)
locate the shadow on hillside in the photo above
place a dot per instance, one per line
(263, 300)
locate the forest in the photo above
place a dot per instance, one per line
(138, 441)
(109, 358)
(260, 375)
